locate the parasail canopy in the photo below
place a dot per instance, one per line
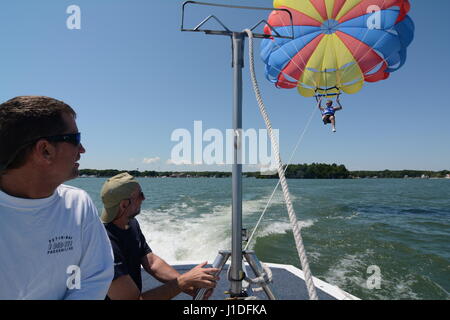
(338, 44)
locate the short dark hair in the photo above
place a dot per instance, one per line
(25, 119)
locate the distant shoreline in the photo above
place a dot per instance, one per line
(270, 178)
(295, 171)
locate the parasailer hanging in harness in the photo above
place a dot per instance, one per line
(335, 46)
(328, 112)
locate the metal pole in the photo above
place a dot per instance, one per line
(218, 263)
(238, 41)
(236, 272)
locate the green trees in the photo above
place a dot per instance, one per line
(294, 171)
(311, 171)
(399, 174)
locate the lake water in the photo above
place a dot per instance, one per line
(401, 226)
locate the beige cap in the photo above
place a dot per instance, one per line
(116, 189)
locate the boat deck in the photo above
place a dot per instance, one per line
(288, 284)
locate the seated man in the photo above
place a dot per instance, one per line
(122, 198)
(328, 112)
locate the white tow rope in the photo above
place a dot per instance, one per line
(287, 198)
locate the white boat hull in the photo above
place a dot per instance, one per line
(288, 284)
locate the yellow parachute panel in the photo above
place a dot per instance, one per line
(304, 6)
(353, 88)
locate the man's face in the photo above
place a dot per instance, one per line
(67, 154)
(329, 103)
(136, 199)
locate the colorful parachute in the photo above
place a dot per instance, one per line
(337, 45)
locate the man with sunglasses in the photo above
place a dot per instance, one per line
(53, 244)
(122, 198)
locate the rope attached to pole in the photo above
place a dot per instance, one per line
(276, 187)
(292, 216)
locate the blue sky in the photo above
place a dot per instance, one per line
(134, 78)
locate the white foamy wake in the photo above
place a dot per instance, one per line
(351, 270)
(283, 227)
(176, 234)
(177, 238)
(347, 271)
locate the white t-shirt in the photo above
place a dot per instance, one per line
(53, 248)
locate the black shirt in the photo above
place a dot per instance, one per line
(129, 247)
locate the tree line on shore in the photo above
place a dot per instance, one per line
(294, 171)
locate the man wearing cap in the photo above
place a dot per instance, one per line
(122, 198)
(52, 242)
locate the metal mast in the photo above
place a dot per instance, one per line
(238, 42)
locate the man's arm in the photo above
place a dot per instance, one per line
(158, 268)
(162, 271)
(124, 288)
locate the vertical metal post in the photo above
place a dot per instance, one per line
(236, 272)
(238, 41)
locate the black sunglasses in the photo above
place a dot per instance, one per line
(73, 138)
(140, 195)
